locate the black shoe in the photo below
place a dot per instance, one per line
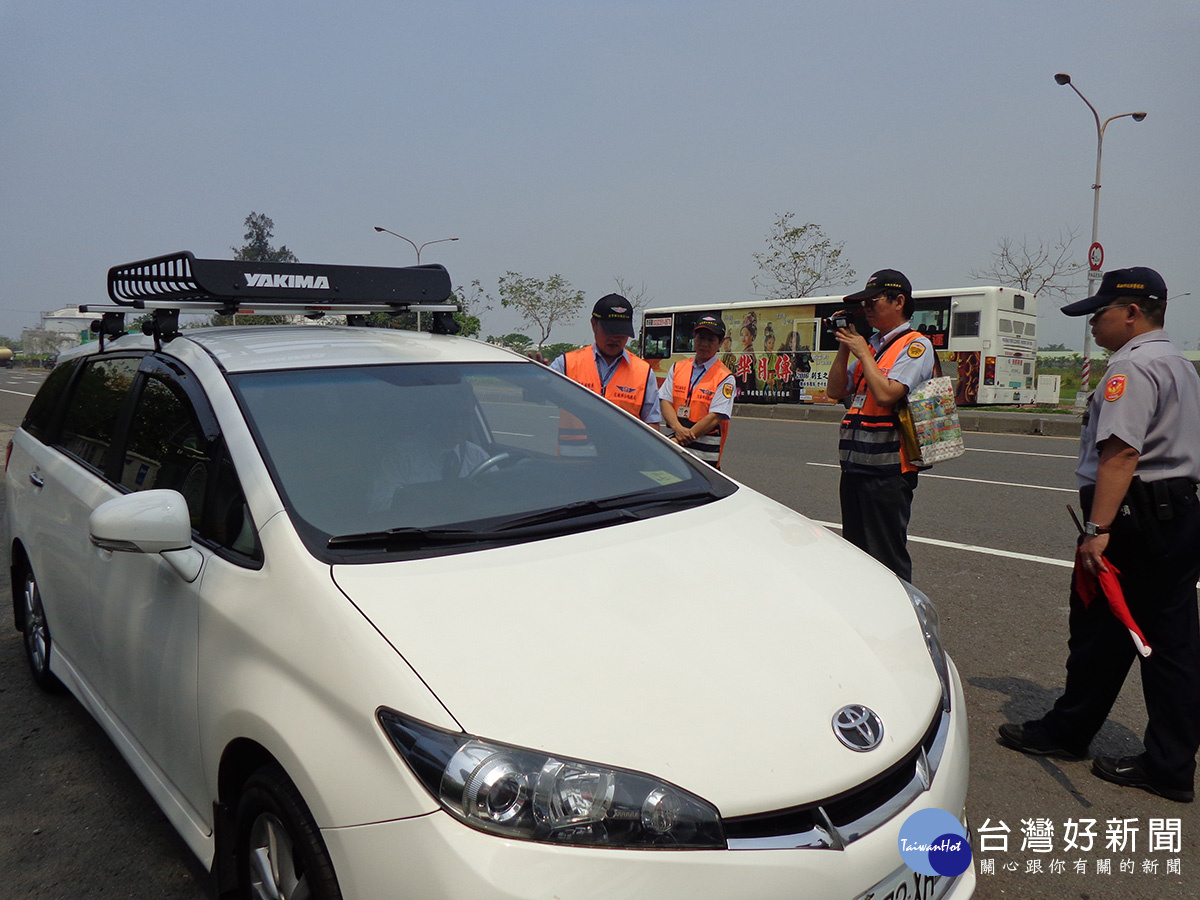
(1032, 737)
(1130, 771)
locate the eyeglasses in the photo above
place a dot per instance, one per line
(871, 301)
(1102, 310)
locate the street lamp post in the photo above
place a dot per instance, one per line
(418, 249)
(414, 246)
(1094, 274)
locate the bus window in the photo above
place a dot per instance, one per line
(932, 318)
(1005, 326)
(965, 324)
(1018, 301)
(656, 337)
(685, 323)
(1030, 329)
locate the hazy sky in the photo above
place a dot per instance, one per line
(652, 140)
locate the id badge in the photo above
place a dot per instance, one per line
(683, 411)
(859, 400)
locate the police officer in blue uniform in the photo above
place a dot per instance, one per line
(1139, 464)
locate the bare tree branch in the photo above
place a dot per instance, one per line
(1043, 269)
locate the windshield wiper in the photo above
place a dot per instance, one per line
(624, 504)
(403, 537)
(580, 514)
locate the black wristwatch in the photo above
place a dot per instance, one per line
(1091, 529)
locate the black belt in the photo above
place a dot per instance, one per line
(1147, 500)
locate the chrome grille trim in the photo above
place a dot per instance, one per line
(826, 831)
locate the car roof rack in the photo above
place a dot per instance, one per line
(179, 282)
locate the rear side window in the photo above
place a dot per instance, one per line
(41, 411)
(91, 418)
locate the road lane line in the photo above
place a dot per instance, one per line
(18, 393)
(1023, 453)
(971, 548)
(1039, 487)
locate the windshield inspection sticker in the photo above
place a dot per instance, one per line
(663, 477)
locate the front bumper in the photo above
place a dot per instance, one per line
(436, 857)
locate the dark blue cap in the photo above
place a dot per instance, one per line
(1138, 283)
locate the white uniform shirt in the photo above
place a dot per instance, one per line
(1150, 399)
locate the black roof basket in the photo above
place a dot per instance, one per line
(181, 281)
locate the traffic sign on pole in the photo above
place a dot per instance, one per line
(1095, 256)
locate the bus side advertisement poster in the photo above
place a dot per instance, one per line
(781, 351)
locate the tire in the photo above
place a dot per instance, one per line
(279, 851)
(38, 644)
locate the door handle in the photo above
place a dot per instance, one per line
(36, 480)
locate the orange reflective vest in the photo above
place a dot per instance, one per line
(627, 386)
(869, 442)
(692, 405)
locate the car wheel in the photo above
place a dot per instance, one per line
(280, 853)
(38, 645)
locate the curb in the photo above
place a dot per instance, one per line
(1050, 425)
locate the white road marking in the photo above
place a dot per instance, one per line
(1023, 453)
(18, 393)
(1039, 487)
(971, 548)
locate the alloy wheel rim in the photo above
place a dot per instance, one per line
(273, 864)
(37, 637)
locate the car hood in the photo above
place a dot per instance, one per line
(710, 647)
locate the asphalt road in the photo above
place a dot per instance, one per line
(991, 540)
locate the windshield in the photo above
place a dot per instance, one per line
(404, 460)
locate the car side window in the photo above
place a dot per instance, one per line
(168, 449)
(229, 524)
(41, 411)
(91, 418)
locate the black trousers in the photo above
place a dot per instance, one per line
(875, 514)
(1158, 576)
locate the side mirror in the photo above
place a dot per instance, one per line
(148, 522)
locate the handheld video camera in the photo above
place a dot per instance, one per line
(840, 320)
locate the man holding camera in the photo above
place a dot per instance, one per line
(878, 479)
(1139, 464)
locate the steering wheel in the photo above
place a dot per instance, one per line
(487, 464)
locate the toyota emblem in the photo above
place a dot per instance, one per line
(858, 727)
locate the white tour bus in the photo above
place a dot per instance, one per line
(780, 350)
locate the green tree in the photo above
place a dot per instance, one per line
(521, 343)
(473, 301)
(554, 351)
(259, 230)
(541, 303)
(799, 260)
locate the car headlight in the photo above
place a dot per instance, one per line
(534, 796)
(927, 616)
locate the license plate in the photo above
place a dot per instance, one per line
(905, 884)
